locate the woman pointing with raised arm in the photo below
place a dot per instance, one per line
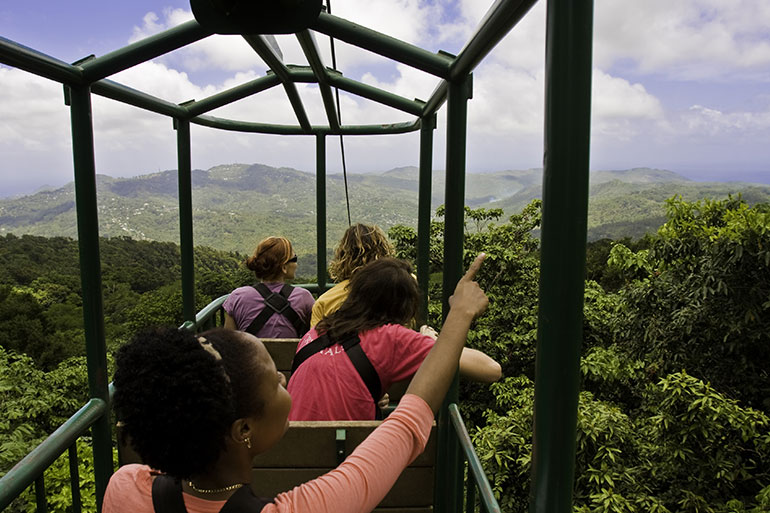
(198, 409)
(344, 364)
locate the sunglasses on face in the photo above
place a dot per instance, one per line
(292, 259)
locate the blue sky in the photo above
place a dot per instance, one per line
(680, 86)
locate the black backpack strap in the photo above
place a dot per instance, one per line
(244, 501)
(260, 320)
(300, 326)
(361, 362)
(276, 303)
(167, 495)
(364, 368)
(316, 346)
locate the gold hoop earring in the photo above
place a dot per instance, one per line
(247, 441)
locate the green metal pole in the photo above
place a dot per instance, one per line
(424, 212)
(186, 218)
(72, 454)
(266, 128)
(382, 44)
(19, 56)
(448, 489)
(91, 278)
(320, 194)
(563, 248)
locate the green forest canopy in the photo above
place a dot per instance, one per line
(673, 415)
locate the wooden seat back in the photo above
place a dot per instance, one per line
(310, 449)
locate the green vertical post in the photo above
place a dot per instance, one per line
(185, 218)
(449, 473)
(41, 503)
(320, 195)
(427, 125)
(91, 277)
(72, 454)
(563, 248)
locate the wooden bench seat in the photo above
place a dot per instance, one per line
(310, 449)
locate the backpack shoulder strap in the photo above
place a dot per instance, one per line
(276, 303)
(244, 501)
(286, 290)
(300, 326)
(316, 346)
(361, 362)
(167, 495)
(365, 369)
(262, 289)
(267, 311)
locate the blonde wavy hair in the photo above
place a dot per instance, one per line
(360, 245)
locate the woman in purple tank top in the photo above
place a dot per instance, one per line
(270, 308)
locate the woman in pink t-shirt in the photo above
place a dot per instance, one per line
(330, 380)
(198, 409)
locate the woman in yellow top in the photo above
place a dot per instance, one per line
(360, 245)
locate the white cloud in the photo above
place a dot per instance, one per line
(686, 39)
(620, 108)
(640, 48)
(712, 122)
(403, 19)
(34, 132)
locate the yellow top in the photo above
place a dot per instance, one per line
(329, 302)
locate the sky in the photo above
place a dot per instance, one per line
(682, 86)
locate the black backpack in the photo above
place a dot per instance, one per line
(276, 303)
(167, 498)
(361, 362)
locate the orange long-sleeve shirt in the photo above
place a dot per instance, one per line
(358, 484)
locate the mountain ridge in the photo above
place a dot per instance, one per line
(235, 205)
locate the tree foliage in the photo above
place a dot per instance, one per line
(41, 301)
(671, 416)
(673, 412)
(700, 297)
(509, 276)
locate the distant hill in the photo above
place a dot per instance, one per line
(630, 203)
(236, 205)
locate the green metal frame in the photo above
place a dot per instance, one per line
(568, 78)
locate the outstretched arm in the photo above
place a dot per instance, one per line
(477, 366)
(435, 374)
(474, 364)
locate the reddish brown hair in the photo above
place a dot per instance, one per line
(269, 257)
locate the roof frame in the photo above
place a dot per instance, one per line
(500, 18)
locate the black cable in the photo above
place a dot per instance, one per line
(339, 119)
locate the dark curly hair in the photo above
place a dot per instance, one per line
(381, 292)
(177, 400)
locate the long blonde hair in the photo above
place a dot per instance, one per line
(360, 245)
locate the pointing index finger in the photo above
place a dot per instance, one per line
(474, 267)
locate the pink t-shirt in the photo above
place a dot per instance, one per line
(358, 484)
(245, 303)
(327, 387)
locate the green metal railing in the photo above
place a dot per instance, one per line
(211, 316)
(567, 120)
(30, 470)
(476, 479)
